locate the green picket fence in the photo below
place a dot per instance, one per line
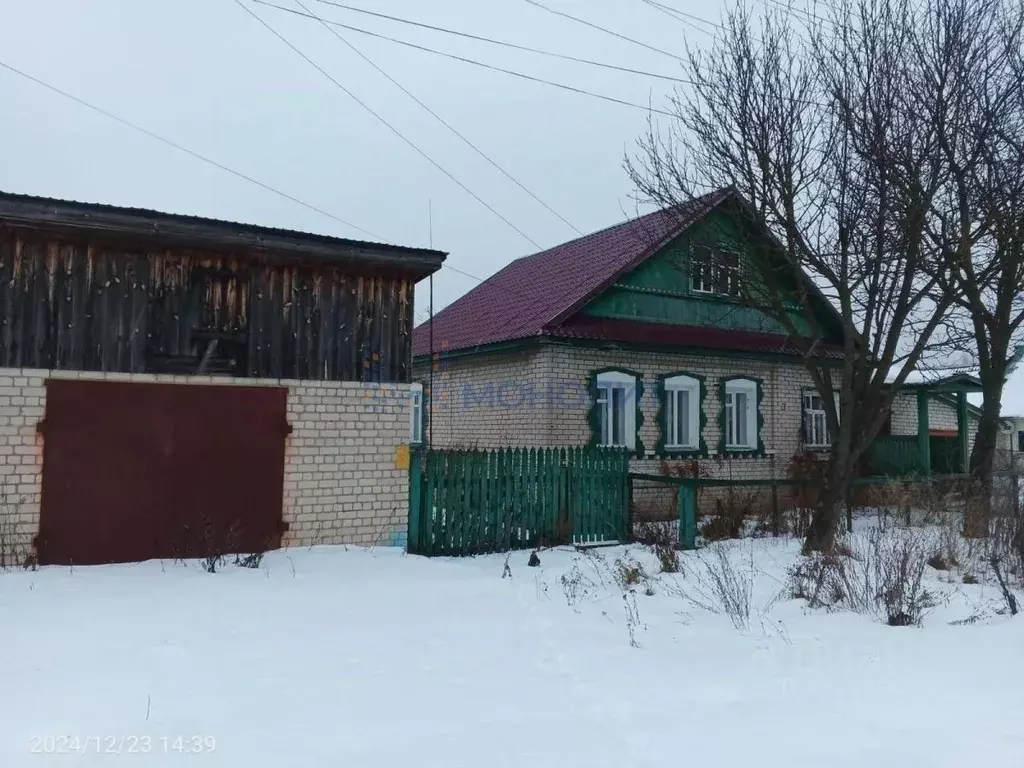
(895, 455)
(473, 502)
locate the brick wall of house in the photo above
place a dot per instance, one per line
(488, 401)
(782, 386)
(341, 481)
(941, 415)
(541, 398)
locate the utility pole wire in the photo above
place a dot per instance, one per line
(384, 122)
(590, 24)
(465, 60)
(443, 122)
(682, 16)
(186, 150)
(492, 41)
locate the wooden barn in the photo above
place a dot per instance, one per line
(172, 385)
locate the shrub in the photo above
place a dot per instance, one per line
(883, 575)
(577, 586)
(731, 512)
(668, 558)
(628, 572)
(939, 562)
(661, 537)
(722, 588)
(249, 561)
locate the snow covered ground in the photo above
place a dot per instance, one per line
(348, 657)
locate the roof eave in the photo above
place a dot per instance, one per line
(43, 214)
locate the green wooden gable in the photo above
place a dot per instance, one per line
(660, 290)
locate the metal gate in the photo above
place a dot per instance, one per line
(137, 471)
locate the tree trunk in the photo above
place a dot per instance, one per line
(978, 504)
(821, 535)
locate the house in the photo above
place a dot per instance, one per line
(172, 384)
(634, 337)
(1013, 447)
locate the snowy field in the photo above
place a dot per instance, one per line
(348, 657)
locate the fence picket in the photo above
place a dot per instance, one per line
(469, 502)
(444, 510)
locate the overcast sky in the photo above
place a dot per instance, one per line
(208, 76)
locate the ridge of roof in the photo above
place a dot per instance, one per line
(30, 209)
(540, 290)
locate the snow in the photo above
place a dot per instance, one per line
(337, 657)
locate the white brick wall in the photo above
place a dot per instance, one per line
(540, 397)
(341, 482)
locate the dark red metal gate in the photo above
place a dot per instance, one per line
(138, 471)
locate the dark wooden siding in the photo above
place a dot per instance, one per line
(81, 306)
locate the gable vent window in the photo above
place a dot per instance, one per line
(714, 271)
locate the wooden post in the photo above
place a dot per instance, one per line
(688, 516)
(963, 449)
(924, 446)
(415, 501)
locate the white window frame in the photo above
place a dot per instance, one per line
(711, 272)
(820, 415)
(416, 414)
(734, 387)
(815, 422)
(707, 271)
(673, 387)
(608, 382)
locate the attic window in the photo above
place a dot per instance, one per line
(713, 271)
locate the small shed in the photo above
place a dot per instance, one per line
(171, 385)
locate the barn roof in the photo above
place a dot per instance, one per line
(147, 227)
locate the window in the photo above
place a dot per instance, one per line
(815, 423)
(740, 414)
(416, 414)
(1020, 441)
(616, 409)
(682, 412)
(715, 271)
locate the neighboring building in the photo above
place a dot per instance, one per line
(633, 337)
(1013, 449)
(170, 384)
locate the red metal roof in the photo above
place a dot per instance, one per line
(539, 294)
(536, 291)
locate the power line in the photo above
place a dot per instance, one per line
(388, 125)
(590, 24)
(474, 62)
(186, 150)
(682, 16)
(504, 43)
(444, 122)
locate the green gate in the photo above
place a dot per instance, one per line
(473, 502)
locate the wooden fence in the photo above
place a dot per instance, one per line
(900, 455)
(473, 502)
(895, 456)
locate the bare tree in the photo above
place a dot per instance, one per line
(977, 50)
(827, 129)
